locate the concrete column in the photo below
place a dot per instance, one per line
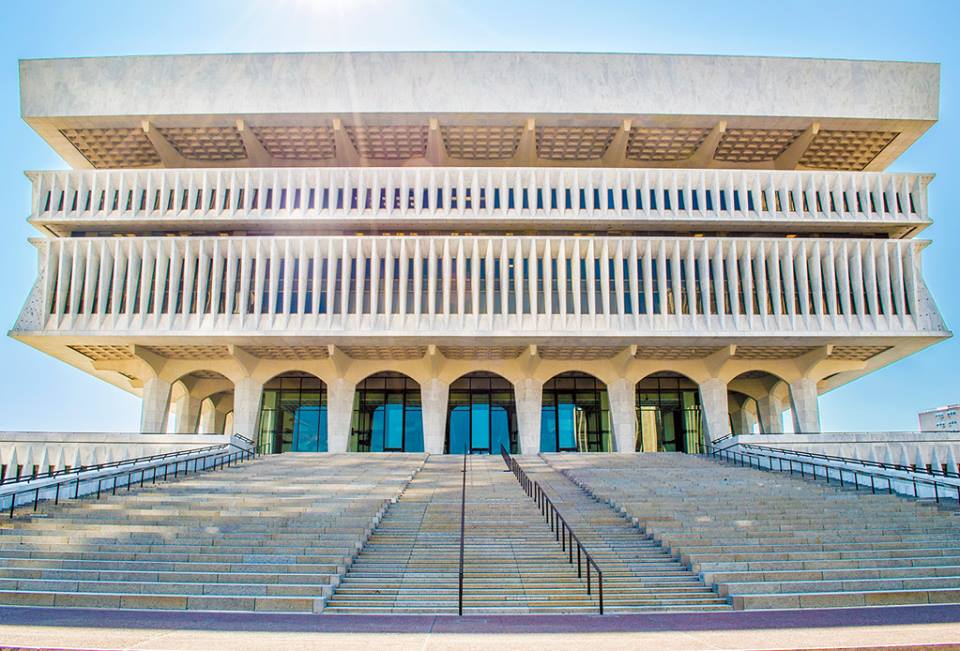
(207, 420)
(806, 411)
(434, 396)
(339, 412)
(188, 415)
(771, 413)
(156, 401)
(623, 414)
(716, 414)
(219, 422)
(528, 395)
(246, 408)
(741, 420)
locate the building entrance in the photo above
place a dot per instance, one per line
(481, 415)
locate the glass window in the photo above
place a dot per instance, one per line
(293, 415)
(387, 415)
(575, 415)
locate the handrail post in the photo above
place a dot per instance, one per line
(463, 510)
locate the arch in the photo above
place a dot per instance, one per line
(387, 414)
(762, 396)
(575, 414)
(481, 414)
(293, 414)
(669, 413)
(187, 393)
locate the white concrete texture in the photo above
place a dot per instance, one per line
(472, 82)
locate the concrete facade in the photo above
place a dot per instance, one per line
(721, 220)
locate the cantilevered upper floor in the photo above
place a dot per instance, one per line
(478, 109)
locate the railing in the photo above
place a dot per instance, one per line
(201, 463)
(103, 466)
(563, 533)
(569, 194)
(463, 514)
(546, 284)
(846, 477)
(923, 470)
(244, 439)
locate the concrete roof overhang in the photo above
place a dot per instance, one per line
(692, 104)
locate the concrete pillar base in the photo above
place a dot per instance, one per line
(623, 414)
(716, 410)
(339, 412)
(806, 411)
(434, 395)
(246, 408)
(156, 402)
(528, 395)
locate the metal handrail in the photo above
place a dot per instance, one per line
(110, 464)
(923, 470)
(747, 458)
(244, 439)
(463, 512)
(220, 458)
(564, 534)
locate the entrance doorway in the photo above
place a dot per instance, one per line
(481, 415)
(293, 414)
(575, 416)
(387, 416)
(668, 414)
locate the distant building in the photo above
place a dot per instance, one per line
(940, 419)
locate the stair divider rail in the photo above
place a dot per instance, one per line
(463, 512)
(809, 469)
(563, 533)
(217, 456)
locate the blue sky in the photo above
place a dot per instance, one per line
(40, 393)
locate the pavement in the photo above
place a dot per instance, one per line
(889, 628)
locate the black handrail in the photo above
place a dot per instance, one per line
(463, 512)
(220, 458)
(110, 464)
(748, 458)
(873, 464)
(558, 525)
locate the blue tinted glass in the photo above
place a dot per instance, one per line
(567, 440)
(414, 427)
(480, 437)
(548, 429)
(376, 430)
(499, 429)
(394, 427)
(459, 429)
(306, 426)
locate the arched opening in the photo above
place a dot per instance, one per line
(669, 417)
(387, 415)
(744, 413)
(293, 414)
(189, 396)
(759, 403)
(575, 414)
(481, 415)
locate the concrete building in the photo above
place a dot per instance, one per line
(445, 252)
(940, 419)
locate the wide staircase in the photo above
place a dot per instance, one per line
(512, 562)
(275, 534)
(771, 540)
(639, 574)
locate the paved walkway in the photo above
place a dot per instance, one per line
(901, 627)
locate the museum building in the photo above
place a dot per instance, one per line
(454, 252)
